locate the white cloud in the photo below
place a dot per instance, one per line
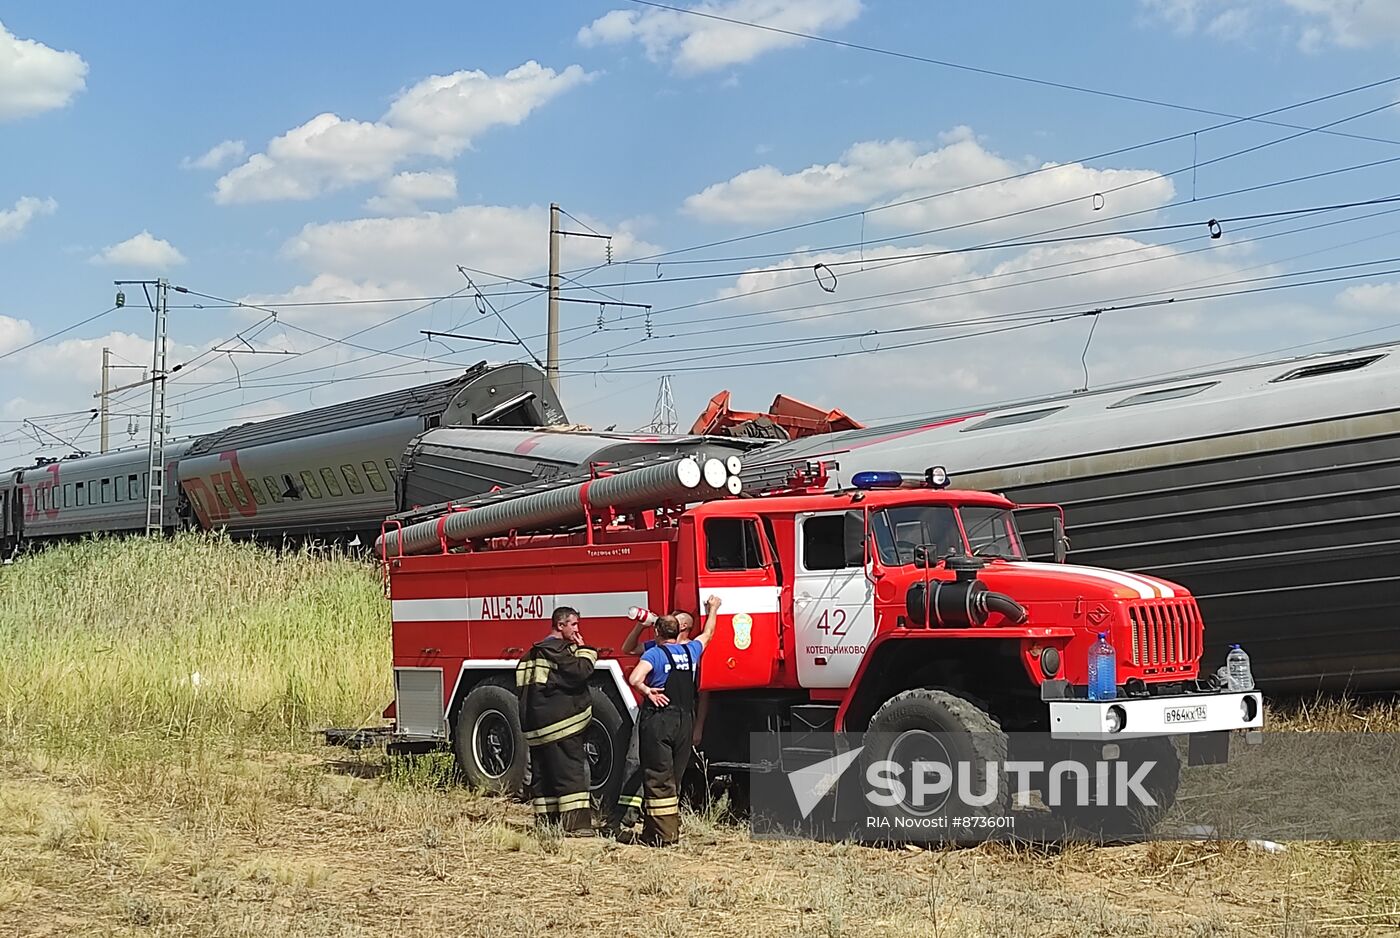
(1371, 298)
(1346, 23)
(438, 117)
(143, 251)
(14, 220)
(14, 333)
(697, 44)
(877, 315)
(217, 156)
(402, 193)
(35, 78)
(1354, 22)
(415, 255)
(882, 172)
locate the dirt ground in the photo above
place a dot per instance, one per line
(279, 845)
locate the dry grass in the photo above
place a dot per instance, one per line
(133, 802)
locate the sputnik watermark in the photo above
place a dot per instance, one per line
(924, 787)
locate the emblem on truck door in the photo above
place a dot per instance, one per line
(743, 631)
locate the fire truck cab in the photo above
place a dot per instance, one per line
(895, 604)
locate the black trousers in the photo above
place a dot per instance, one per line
(559, 783)
(664, 747)
(629, 800)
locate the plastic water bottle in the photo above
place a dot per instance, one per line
(1237, 672)
(1103, 670)
(644, 616)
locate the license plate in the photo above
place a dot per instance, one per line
(1196, 714)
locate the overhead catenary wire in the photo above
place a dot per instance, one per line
(1157, 250)
(871, 209)
(1041, 312)
(64, 331)
(678, 365)
(958, 66)
(376, 352)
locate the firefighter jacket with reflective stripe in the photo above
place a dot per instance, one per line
(552, 680)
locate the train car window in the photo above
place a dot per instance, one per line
(308, 481)
(80, 496)
(67, 494)
(145, 483)
(332, 486)
(118, 490)
(352, 480)
(274, 491)
(1163, 394)
(133, 487)
(1327, 368)
(732, 544)
(393, 470)
(376, 478)
(255, 487)
(1007, 420)
(106, 491)
(200, 505)
(222, 494)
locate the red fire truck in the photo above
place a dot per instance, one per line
(891, 605)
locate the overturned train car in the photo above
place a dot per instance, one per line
(1271, 491)
(332, 472)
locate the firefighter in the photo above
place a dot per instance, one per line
(629, 802)
(555, 710)
(665, 679)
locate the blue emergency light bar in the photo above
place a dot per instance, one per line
(935, 477)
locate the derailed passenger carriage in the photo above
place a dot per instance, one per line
(1271, 491)
(332, 472)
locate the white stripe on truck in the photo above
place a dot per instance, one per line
(535, 607)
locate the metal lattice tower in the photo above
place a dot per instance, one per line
(155, 486)
(663, 416)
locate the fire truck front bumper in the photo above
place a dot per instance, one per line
(1137, 717)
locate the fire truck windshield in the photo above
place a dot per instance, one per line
(991, 532)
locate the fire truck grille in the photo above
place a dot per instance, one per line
(418, 695)
(1166, 634)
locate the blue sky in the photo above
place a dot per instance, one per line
(297, 153)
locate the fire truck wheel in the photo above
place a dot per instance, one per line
(606, 745)
(1120, 822)
(488, 742)
(938, 726)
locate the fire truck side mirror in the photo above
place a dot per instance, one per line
(1061, 541)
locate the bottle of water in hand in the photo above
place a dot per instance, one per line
(1238, 675)
(1103, 670)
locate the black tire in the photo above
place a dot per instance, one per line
(959, 731)
(1118, 822)
(488, 742)
(606, 745)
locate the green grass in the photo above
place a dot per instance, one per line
(113, 646)
(137, 801)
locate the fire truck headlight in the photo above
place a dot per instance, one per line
(936, 476)
(1116, 718)
(1050, 662)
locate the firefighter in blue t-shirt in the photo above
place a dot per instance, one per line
(665, 679)
(628, 809)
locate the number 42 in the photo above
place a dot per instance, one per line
(832, 622)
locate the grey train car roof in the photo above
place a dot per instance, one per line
(463, 399)
(459, 462)
(1049, 430)
(1269, 491)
